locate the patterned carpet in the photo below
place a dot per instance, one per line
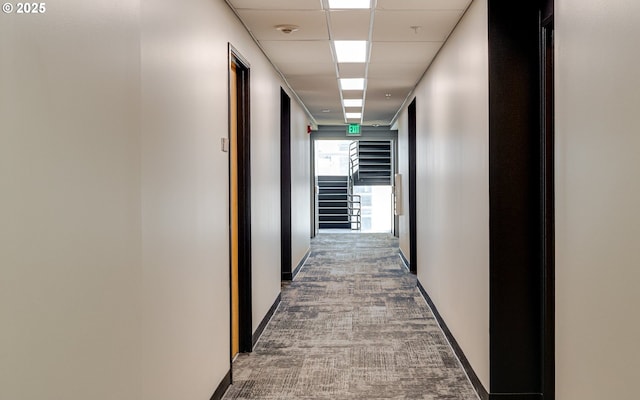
(352, 325)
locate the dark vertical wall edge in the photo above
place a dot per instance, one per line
(285, 184)
(547, 11)
(244, 207)
(514, 193)
(229, 61)
(396, 218)
(413, 224)
(473, 377)
(222, 387)
(312, 187)
(548, 195)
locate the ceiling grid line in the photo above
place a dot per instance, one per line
(293, 92)
(402, 39)
(409, 96)
(325, 6)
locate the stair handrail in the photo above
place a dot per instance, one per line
(354, 159)
(355, 207)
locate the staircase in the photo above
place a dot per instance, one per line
(371, 162)
(337, 208)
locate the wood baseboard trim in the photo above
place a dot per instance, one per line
(475, 381)
(222, 387)
(265, 320)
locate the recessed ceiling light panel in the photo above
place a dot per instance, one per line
(352, 102)
(353, 115)
(350, 4)
(351, 51)
(352, 83)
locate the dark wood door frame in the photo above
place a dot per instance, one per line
(313, 187)
(285, 185)
(547, 203)
(244, 197)
(521, 200)
(515, 276)
(413, 223)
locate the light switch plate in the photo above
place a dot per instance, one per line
(224, 143)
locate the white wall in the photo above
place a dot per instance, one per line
(597, 197)
(185, 192)
(453, 185)
(114, 242)
(184, 198)
(402, 125)
(70, 202)
(300, 183)
(265, 183)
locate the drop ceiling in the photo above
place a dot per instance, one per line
(403, 37)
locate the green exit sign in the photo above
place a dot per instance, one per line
(353, 130)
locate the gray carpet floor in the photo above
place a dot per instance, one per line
(352, 325)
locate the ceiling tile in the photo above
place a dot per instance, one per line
(410, 52)
(334, 116)
(392, 70)
(380, 102)
(318, 84)
(382, 106)
(394, 26)
(398, 55)
(326, 97)
(381, 115)
(350, 25)
(330, 121)
(295, 51)
(319, 103)
(313, 24)
(323, 101)
(316, 103)
(423, 4)
(278, 4)
(378, 89)
(317, 106)
(353, 94)
(352, 70)
(308, 69)
(398, 86)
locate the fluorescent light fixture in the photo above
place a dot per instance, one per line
(352, 83)
(352, 102)
(353, 115)
(351, 51)
(349, 4)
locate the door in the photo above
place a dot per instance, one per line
(233, 170)
(239, 205)
(413, 224)
(285, 186)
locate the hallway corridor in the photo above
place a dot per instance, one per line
(352, 325)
